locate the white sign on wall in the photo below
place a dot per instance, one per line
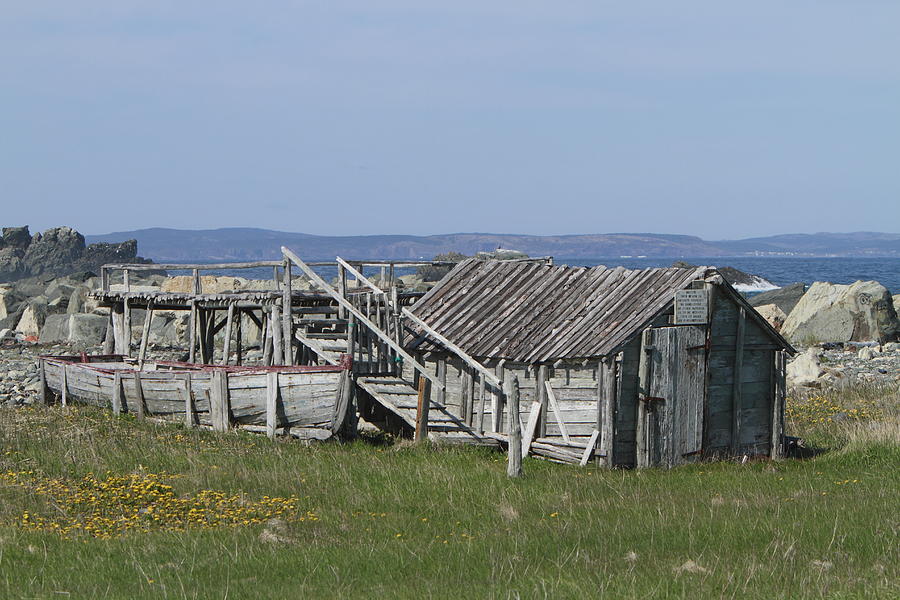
(691, 307)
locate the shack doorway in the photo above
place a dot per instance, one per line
(670, 415)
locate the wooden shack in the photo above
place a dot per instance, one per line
(652, 367)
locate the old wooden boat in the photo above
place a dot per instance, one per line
(307, 402)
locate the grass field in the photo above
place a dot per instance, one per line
(93, 506)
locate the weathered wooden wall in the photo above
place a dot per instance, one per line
(756, 386)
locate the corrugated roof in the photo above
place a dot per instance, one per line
(533, 312)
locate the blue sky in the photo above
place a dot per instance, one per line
(718, 119)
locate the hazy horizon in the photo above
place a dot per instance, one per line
(719, 120)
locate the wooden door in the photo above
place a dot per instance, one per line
(674, 382)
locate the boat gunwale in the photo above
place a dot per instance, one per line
(86, 362)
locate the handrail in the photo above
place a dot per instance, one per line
(360, 276)
(361, 318)
(488, 376)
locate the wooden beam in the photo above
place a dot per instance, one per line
(187, 396)
(534, 417)
(607, 410)
(192, 334)
(139, 395)
(490, 377)
(45, 389)
(360, 277)
(736, 400)
(277, 338)
(554, 405)
(360, 318)
(271, 403)
(117, 393)
(589, 449)
(642, 457)
(541, 397)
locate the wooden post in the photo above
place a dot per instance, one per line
(423, 404)
(126, 330)
(607, 409)
(497, 401)
(266, 338)
(467, 394)
(482, 394)
(342, 404)
(736, 400)
(203, 323)
(277, 338)
(514, 460)
(198, 285)
(218, 400)
(192, 333)
(139, 394)
(543, 376)
(287, 326)
(145, 334)
(778, 405)
(239, 338)
(190, 411)
(104, 279)
(342, 290)
(271, 404)
(441, 372)
(642, 458)
(117, 393)
(65, 385)
(45, 390)
(109, 341)
(229, 323)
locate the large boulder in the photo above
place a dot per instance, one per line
(78, 329)
(774, 315)
(32, 319)
(897, 303)
(829, 312)
(209, 284)
(785, 298)
(805, 369)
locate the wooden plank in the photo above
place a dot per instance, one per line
(589, 449)
(45, 390)
(348, 306)
(541, 397)
(271, 403)
(497, 401)
(219, 401)
(140, 405)
(534, 417)
(607, 381)
(490, 377)
(64, 386)
(641, 456)
(187, 396)
(514, 460)
(117, 393)
(342, 402)
(554, 405)
(736, 393)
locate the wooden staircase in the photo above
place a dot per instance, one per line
(365, 324)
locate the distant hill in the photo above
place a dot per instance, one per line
(241, 243)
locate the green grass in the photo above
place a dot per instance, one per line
(394, 520)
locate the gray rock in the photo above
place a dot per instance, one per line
(80, 329)
(55, 329)
(830, 312)
(805, 369)
(785, 298)
(866, 353)
(87, 329)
